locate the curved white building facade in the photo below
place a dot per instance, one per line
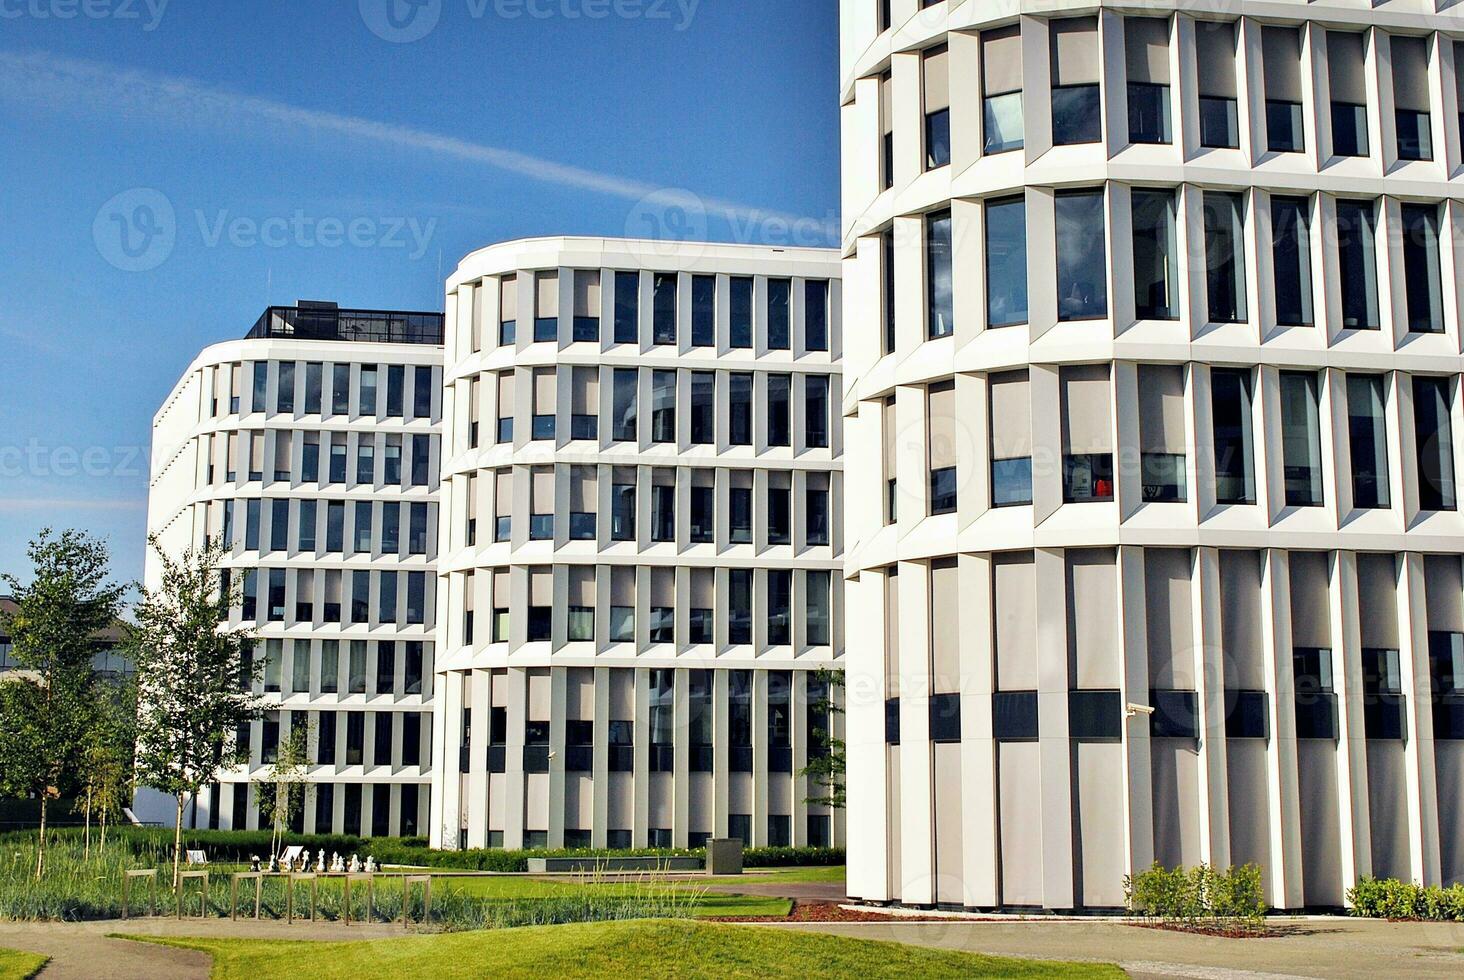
(311, 449)
(640, 552)
(1152, 414)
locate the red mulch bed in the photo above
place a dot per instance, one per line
(827, 912)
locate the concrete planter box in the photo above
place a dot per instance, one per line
(562, 865)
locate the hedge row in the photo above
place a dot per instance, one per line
(230, 846)
(1393, 899)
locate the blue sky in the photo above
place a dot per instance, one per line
(170, 167)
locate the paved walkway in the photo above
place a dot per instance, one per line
(83, 950)
(1332, 948)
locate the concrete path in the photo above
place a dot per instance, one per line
(1333, 948)
(83, 951)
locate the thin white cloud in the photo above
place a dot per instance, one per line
(51, 81)
(22, 504)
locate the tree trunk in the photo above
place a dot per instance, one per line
(86, 834)
(102, 822)
(178, 840)
(41, 851)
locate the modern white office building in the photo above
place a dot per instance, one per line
(311, 448)
(640, 544)
(1153, 325)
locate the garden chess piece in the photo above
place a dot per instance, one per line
(320, 862)
(355, 864)
(370, 864)
(336, 864)
(274, 864)
(254, 862)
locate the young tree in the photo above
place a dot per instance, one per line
(282, 794)
(194, 679)
(47, 710)
(826, 760)
(106, 762)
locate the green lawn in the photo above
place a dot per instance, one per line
(17, 965)
(639, 949)
(517, 887)
(800, 874)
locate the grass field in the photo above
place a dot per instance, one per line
(654, 949)
(15, 965)
(517, 888)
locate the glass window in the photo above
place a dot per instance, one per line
(1283, 126)
(1082, 273)
(739, 514)
(1349, 129)
(779, 301)
(703, 311)
(285, 388)
(780, 601)
(261, 386)
(778, 409)
(1156, 257)
(1224, 263)
(816, 314)
(780, 517)
(816, 411)
(340, 389)
(739, 415)
(1001, 81)
(313, 388)
(663, 406)
(1291, 260)
(622, 512)
(1230, 403)
(1421, 268)
(1301, 439)
(741, 313)
(1433, 434)
(703, 514)
(622, 624)
(816, 519)
(627, 307)
(739, 605)
(1219, 122)
(396, 390)
(817, 610)
(663, 321)
(937, 108)
(1357, 264)
(1006, 261)
(939, 275)
(1146, 51)
(1368, 440)
(663, 512)
(703, 408)
(887, 295)
(368, 390)
(1415, 138)
(623, 412)
(1075, 67)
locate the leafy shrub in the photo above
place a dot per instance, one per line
(238, 846)
(1389, 898)
(1199, 896)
